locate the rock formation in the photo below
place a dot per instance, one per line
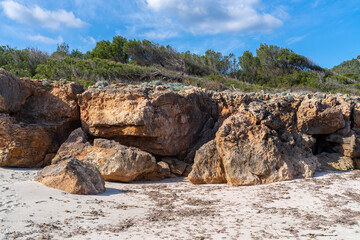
(72, 176)
(115, 162)
(156, 120)
(35, 119)
(132, 132)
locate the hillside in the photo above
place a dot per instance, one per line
(349, 68)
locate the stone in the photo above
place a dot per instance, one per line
(176, 166)
(120, 163)
(115, 162)
(335, 161)
(13, 92)
(255, 154)
(26, 145)
(38, 124)
(72, 176)
(208, 167)
(348, 145)
(164, 123)
(75, 145)
(317, 116)
(165, 169)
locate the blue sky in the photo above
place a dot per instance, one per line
(328, 32)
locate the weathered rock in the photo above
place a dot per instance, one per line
(335, 161)
(255, 154)
(348, 145)
(164, 123)
(208, 166)
(115, 162)
(165, 169)
(26, 145)
(75, 145)
(317, 116)
(42, 121)
(72, 176)
(13, 92)
(356, 116)
(176, 167)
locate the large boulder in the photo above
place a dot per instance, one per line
(253, 153)
(39, 124)
(13, 92)
(323, 116)
(208, 166)
(159, 121)
(72, 176)
(115, 162)
(120, 163)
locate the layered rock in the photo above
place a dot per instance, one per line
(159, 121)
(72, 176)
(115, 162)
(34, 123)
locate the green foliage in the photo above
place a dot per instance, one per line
(348, 67)
(90, 70)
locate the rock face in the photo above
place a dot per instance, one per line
(72, 176)
(13, 92)
(208, 166)
(147, 133)
(115, 162)
(326, 116)
(159, 121)
(249, 153)
(34, 120)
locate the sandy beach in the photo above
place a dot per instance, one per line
(324, 207)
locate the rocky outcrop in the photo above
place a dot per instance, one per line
(139, 132)
(72, 176)
(35, 119)
(115, 162)
(316, 116)
(13, 92)
(253, 153)
(156, 120)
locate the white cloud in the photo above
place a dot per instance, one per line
(43, 39)
(293, 40)
(40, 17)
(88, 40)
(216, 16)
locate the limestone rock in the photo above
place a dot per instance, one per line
(348, 145)
(115, 162)
(43, 121)
(72, 176)
(75, 145)
(13, 92)
(335, 161)
(176, 167)
(165, 169)
(316, 116)
(208, 166)
(164, 122)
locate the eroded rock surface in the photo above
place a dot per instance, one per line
(35, 121)
(161, 122)
(115, 162)
(72, 176)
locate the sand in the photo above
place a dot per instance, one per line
(324, 207)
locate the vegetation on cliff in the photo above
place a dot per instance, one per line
(123, 60)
